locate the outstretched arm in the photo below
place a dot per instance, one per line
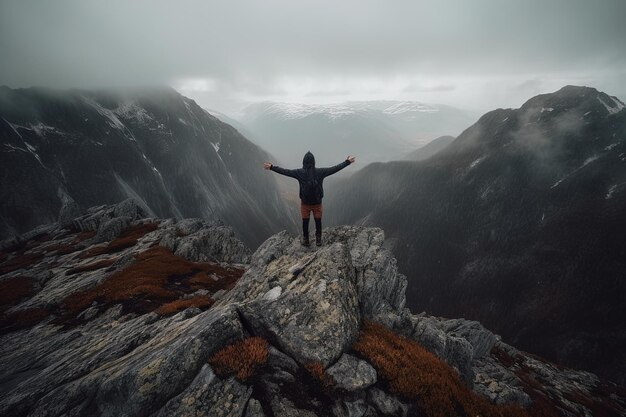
(279, 170)
(330, 171)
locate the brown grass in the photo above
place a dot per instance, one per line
(156, 277)
(92, 266)
(421, 377)
(316, 370)
(23, 319)
(126, 239)
(20, 261)
(242, 358)
(61, 248)
(200, 301)
(82, 236)
(15, 289)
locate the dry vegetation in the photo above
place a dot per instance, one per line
(418, 376)
(15, 289)
(241, 359)
(21, 260)
(156, 277)
(200, 301)
(316, 370)
(23, 318)
(126, 239)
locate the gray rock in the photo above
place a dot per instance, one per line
(350, 408)
(130, 208)
(386, 404)
(109, 367)
(498, 384)
(455, 351)
(352, 374)
(213, 243)
(310, 303)
(481, 339)
(208, 395)
(381, 287)
(282, 407)
(254, 409)
(69, 211)
(110, 229)
(316, 317)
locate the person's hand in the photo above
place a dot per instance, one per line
(351, 159)
(267, 165)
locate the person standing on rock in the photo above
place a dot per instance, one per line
(311, 191)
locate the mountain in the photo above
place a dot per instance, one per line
(118, 313)
(373, 130)
(84, 148)
(518, 223)
(430, 148)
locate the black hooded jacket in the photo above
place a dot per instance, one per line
(310, 178)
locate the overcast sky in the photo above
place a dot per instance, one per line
(474, 54)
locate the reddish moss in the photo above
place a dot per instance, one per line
(15, 289)
(82, 236)
(61, 248)
(155, 278)
(20, 261)
(126, 239)
(421, 377)
(23, 319)
(241, 358)
(316, 370)
(92, 266)
(201, 301)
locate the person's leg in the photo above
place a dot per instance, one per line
(305, 212)
(317, 215)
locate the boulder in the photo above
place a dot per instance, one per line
(352, 374)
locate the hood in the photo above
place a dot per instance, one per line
(308, 161)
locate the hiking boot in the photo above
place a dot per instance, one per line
(305, 241)
(318, 240)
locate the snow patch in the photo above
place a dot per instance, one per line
(612, 190)
(216, 146)
(611, 146)
(548, 109)
(41, 129)
(477, 161)
(109, 114)
(616, 107)
(131, 110)
(585, 163)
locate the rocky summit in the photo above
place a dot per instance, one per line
(114, 313)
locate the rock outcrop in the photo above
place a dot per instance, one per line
(117, 313)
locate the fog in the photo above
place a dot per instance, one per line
(471, 54)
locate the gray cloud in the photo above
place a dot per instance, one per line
(445, 51)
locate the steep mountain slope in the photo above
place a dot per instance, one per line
(519, 223)
(122, 314)
(430, 148)
(100, 147)
(375, 130)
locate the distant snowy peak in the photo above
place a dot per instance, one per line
(287, 111)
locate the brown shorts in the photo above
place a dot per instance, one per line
(306, 209)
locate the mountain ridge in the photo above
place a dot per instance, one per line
(515, 224)
(154, 145)
(210, 327)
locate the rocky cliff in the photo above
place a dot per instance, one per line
(113, 313)
(93, 147)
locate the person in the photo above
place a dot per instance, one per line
(311, 190)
